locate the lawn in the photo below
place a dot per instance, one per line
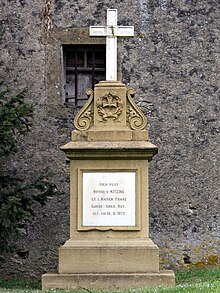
(186, 282)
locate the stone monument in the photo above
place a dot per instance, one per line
(109, 245)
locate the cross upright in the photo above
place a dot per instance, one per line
(111, 31)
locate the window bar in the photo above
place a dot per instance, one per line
(93, 68)
(76, 79)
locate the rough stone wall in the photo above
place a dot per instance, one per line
(173, 63)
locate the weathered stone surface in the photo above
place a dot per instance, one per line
(173, 64)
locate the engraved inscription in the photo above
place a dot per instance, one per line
(109, 199)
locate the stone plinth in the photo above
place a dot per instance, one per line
(109, 245)
(108, 281)
(116, 256)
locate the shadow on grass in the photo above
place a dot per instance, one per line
(20, 284)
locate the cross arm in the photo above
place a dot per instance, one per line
(97, 31)
(125, 31)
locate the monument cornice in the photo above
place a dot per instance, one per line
(112, 149)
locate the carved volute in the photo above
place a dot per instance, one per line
(110, 114)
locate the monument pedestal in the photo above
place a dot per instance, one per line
(109, 245)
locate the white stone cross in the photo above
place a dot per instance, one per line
(111, 32)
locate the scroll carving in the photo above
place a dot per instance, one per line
(135, 118)
(109, 106)
(85, 117)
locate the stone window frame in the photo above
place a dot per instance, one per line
(54, 42)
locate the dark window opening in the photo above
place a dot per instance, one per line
(84, 66)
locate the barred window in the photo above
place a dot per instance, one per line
(84, 66)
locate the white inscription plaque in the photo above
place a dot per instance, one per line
(109, 199)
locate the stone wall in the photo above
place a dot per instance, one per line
(173, 63)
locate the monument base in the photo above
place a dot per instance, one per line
(108, 281)
(108, 256)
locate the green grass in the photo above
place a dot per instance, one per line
(201, 281)
(198, 276)
(16, 284)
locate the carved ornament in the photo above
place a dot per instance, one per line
(135, 118)
(109, 106)
(84, 119)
